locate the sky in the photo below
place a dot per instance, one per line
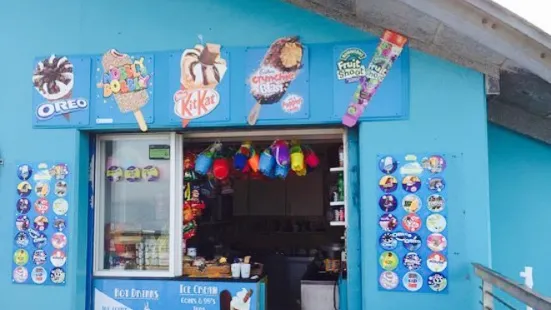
(531, 10)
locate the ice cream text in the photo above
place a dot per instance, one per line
(125, 79)
(198, 295)
(47, 110)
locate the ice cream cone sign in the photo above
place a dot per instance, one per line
(201, 70)
(54, 79)
(127, 80)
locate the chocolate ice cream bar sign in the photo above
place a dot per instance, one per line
(61, 91)
(278, 81)
(158, 294)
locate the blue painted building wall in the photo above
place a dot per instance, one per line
(519, 184)
(447, 114)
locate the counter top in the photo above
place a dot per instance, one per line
(186, 278)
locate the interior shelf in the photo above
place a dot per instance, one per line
(336, 203)
(337, 169)
(337, 223)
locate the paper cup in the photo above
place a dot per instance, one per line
(245, 271)
(235, 270)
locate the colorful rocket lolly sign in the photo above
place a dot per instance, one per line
(278, 69)
(127, 81)
(387, 52)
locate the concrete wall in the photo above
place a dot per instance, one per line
(447, 113)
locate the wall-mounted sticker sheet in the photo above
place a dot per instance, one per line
(278, 81)
(40, 224)
(350, 68)
(162, 294)
(412, 251)
(62, 90)
(124, 83)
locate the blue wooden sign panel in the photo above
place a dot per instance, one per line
(390, 100)
(113, 106)
(221, 113)
(64, 100)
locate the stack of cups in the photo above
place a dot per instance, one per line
(241, 269)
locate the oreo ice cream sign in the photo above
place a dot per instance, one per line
(48, 110)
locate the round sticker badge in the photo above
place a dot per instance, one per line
(60, 188)
(437, 242)
(40, 223)
(60, 206)
(60, 224)
(39, 257)
(388, 261)
(23, 205)
(412, 242)
(411, 203)
(133, 174)
(151, 173)
(436, 203)
(22, 222)
(435, 164)
(388, 184)
(59, 240)
(412, 281)
(21, 257)
(39, 275)
(24, 172)
(436, 223)
(437, 262)
(437, 282)
(21, 239)
(59, 171)
(24, 189)
(39, 239)
(387, 241)
(388, 203)
(57, 275)
(388, 280)
(411, 222)
(41, 206)
(20, 274)
(388, 222)
(437, 184)
(388, 165)
(412, 261)
(114, 174)
(411, 183)
(58, 258)
(42, 189)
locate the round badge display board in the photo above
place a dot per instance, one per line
(412, 215)
(41, 208)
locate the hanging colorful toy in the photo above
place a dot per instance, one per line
(280, 150)
(190, 229)
(242, 156)
(297, 157)
(310, 158)
(267, 162)
(221, 168)
(254, 160)
(205, 159)
(281, 171)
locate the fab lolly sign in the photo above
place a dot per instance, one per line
(192, 104)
